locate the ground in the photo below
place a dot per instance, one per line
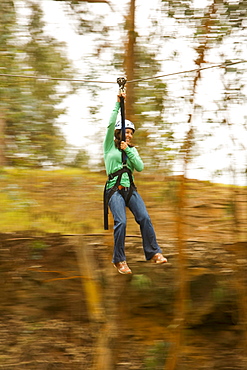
(46, 317)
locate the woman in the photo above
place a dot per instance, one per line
(120, 192)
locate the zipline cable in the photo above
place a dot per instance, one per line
(222, 65)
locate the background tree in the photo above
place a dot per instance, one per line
(29, 107)
(211, 29)
(8, 88)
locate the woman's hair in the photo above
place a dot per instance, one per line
(118, 138)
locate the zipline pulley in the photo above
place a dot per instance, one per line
(121, 82)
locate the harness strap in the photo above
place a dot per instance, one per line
(118, 172)
(107, 197)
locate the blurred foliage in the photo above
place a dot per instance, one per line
(155, 111)
(69, 200)
(38, 245)
(86, 19)
(147, 94)
(233, 11)
(156, 357)
(37, 200)
(141, 282)
(213, 27)
(81, 159)
(29, 107)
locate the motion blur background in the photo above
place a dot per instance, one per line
(105, 40)
(61, 300)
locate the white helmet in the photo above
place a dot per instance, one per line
(128, 124)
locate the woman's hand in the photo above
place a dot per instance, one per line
(123, 95)
(123, 145)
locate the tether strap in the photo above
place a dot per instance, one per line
(114, 189)
(124, 156)
(121, 83)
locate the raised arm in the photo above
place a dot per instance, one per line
(109, 138)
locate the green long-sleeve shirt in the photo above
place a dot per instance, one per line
(113, 156)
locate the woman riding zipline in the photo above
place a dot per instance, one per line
(120, 191)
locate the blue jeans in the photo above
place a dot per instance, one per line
(137, 207)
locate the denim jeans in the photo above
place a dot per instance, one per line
(137, 207)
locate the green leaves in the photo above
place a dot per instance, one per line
(30, 106)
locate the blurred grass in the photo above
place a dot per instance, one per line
(64, 201)
(70, 201)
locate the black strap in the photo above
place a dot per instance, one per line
(124, 156)
(119, 172)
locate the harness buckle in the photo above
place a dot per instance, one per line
(120, 187)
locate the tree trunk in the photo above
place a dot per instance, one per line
(102, 302)
(2, 141)
(129, 63)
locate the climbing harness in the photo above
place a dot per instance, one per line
(107, 195)
(117, 187)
